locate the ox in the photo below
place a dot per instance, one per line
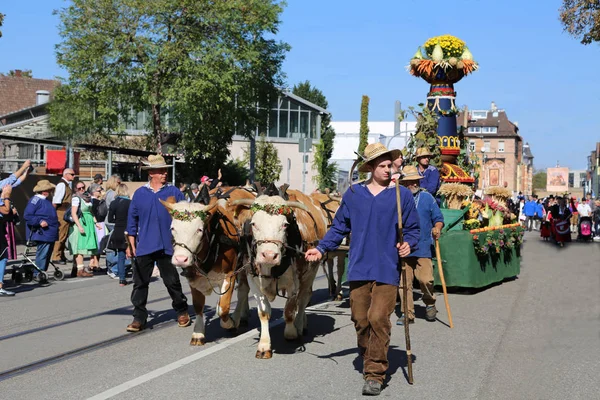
(280, 232)
(328, 205)
(206, 246)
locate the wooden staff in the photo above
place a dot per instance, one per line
(404, 288)
(441, 270)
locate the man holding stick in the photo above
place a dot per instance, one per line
(418, 263)
(369, 211)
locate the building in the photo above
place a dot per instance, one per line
(498, 146)
(592, 184)
(577, 178)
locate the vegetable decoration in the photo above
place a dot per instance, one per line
(272, 209)
(446, 53)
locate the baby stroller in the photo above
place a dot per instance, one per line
(24, 271)
(585, 229)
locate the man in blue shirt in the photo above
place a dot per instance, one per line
(149, 235)
(430, 174)
(529, 210)
(368, 210)
(418, 263)
(42, 223)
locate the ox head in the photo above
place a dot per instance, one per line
(190, 221)
(269, 223)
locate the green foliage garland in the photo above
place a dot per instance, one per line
(364, 129)
(272, 209)
(425, 136)
(187, 215)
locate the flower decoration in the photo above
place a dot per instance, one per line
(272, 209)
(451, 45)
(186, 215)
(471, 224)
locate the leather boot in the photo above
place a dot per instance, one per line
(82, 273)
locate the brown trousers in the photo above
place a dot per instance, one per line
(371, 304)
(63, 232)
(422, 269)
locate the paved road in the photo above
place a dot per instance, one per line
(536, 337)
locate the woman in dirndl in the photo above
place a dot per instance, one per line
(82, 233)
(560, 223)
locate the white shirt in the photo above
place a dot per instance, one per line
(59, 192)
(584, 210)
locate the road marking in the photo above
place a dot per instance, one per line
(189, 359)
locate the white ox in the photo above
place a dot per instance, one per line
(272, 236)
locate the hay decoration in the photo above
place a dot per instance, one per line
(499, 194)
(455, 194)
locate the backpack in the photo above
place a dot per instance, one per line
(69, 218)
(101, 210)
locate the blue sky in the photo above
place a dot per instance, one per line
(354, 47)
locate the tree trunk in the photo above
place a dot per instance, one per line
(156, 127)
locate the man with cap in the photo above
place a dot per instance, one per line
(42, 222)
(418, 263)
(62, 203)
(368, 211)
(150, 241)
(211, 183)
(430, 174)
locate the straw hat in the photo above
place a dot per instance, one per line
(410, 173)
(374, 150)
(423, 152)
(155, 161)
(43, 186)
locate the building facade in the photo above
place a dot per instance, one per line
(592, 184)
(504, 159)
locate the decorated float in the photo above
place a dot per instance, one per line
(481, 243)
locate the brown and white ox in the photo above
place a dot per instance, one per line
(206, 246)
(277, 267)
(328, 206)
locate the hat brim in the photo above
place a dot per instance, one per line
(424, 155)
(410, 178)
(43, 189)
(158, 166)
(364, 167)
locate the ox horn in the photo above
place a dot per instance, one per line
(168, 203)
(242, 202)
(296, 204)
(208, 208)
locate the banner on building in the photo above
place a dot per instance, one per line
(557, 179)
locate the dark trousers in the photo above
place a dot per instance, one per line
(142, 274)
(529, 223)
(371, 304)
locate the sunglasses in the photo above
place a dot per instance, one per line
(68, 173)
(81, 188)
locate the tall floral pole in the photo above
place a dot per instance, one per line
(442, 61)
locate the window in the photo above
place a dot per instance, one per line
(501, 146)
(486, 146)
(472, 145)
(479, 114)
(489, 129)
(474, 129)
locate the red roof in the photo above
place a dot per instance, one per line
(17, 93)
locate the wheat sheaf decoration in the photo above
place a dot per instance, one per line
(272, 209)
(187, 215)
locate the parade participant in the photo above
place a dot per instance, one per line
(584, 209)
(418, 263)
(368, 210)
(14, 177)
(211, 183)
(529, 211)
(561, 215)
(193, 194)
(596, 218)
(100, 212)
(82, 233)
(42, 223)
(397, 167)
(11, 219)
(5, 210)
(430, 174)
(539, 214)
(62, 203)
(150, 241)
(111, 186)
(573, 204)
(117, 215)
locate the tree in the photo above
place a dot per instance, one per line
(581, 19)
(26, 73)
(1, 22)
(364, 129)
(197, 68)
(425, 135)
(234, 173)
(326, 171)
(268, 166)
(540, 179)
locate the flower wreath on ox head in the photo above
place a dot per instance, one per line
(188, 215)
(273, 209)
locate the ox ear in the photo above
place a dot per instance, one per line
(168, 203)
(283, 191)
(204, 195)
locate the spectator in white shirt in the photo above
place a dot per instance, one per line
(584, 209)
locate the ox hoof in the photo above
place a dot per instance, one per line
(197, 340)
(264, 355)
(228, 324)
(339, 297)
